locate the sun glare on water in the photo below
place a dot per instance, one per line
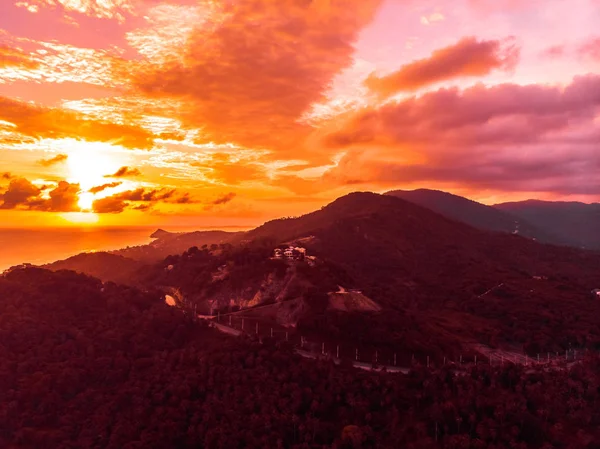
(81, 218)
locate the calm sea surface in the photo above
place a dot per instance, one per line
(39, 246)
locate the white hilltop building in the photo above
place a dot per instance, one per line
(290, 253)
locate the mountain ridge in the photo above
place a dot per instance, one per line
(574, 222)
(439, 282)
(473, 213)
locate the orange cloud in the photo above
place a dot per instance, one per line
(53, 160)
(63, 198)
(168, 28)
(468, 57)
(224, 199)
(255, 66)
(41, 122)
(125, 171)
(225, 169)
(103, 187)
(14, 57)
(142, 194)
(118, 202)
(21, 193)
(109, 205)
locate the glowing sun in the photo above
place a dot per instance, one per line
(88, 164)
(85, 200)
(87, 167)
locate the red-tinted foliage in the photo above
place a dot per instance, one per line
(87, 365)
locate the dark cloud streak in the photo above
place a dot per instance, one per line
(124, 172)
(53, 160)
(103, 187)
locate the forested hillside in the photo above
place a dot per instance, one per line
(169, 243)
(443, 281)
(86, 365)
(102, 265)
(443, 286)
(475, 214)
(575, 223)
(440, 287)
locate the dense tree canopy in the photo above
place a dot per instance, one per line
(91, 365)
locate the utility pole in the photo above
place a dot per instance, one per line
(375, 356)
(323, 348)
(356, 356)
(337, 351)
(394, 359)
(256, 328)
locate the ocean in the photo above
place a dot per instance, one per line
(39, 246)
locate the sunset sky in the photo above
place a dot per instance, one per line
(232, 112)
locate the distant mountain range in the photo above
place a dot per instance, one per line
(166, 243)
(432, 282)
(101, 265)
(560, 223)
(576, 224)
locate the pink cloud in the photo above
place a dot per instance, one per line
(101, 9)
(509, 137)
(467, 58)
(554, 51)
(591, 49)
